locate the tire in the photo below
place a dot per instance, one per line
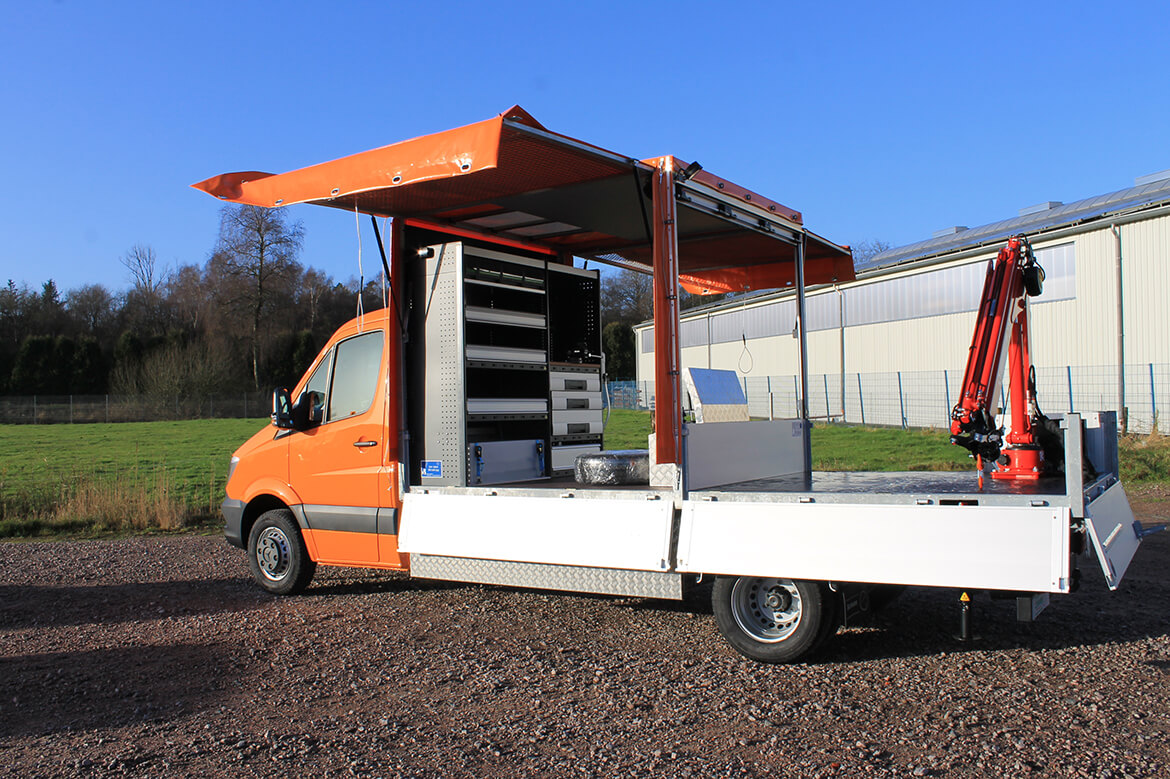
(772, 620)
(277, 555)
(834, 617)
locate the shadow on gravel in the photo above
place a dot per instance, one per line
(105, 688)
(926, 622)
(103, 604)
(392, 584)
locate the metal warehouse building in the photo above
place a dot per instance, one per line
(890, 347)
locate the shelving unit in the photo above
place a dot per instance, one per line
(495, 408)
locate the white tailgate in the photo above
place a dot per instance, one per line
(1111, 527)
(631, 534)
(977, 547)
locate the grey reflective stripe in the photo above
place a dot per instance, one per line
(350, 519)
(299, 512)
(388, 521)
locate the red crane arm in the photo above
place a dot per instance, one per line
(1002, 320)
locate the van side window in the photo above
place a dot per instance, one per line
(355, 375)
(319, 381)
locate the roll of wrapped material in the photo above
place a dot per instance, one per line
(626, 466)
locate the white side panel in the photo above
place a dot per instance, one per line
(730, 452)
(1010, 548)
(1111, 527)
(602, 533)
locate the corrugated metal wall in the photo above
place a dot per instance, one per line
(923, 321)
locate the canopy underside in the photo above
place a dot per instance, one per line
(509, 177)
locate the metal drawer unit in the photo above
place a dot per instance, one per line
(576, 415)
(509, 368)
(485, 374)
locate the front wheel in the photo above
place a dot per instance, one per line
(771, 620)
(277, 555)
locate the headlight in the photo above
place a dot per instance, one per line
(232, 468)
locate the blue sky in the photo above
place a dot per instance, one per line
(877, 121)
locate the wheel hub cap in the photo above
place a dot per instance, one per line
(769, 610)
(272, 554)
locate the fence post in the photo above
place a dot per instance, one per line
(828, 414)
(1153, 401)
(860, 399)
(245, 405)
(34, 409)
(71, 409)
(947, 390)
(107, 409)
(771, 407)
(901, 402)
(1068, 372)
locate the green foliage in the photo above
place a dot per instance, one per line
(617, 341)
(33, 371)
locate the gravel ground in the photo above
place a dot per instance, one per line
(146, 656)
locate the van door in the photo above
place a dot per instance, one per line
(336, 466)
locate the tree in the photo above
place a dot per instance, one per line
(33, 372)
(617, 341)
(258, 250)
(865, 251)
(91, 306)
(627, 296)
(49, 312)
(145, 274)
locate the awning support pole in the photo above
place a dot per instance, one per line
(667, 357)
(397, 445)
(801, 333)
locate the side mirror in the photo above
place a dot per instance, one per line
(281, 409)
(309, 410)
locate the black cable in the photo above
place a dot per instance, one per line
(386, 270)
(642, 203)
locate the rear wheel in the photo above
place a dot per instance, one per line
(772, 620)
(277, 555)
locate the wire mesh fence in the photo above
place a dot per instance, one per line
(78, 409)
(925, 398)
(899, 399)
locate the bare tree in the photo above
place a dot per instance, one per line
(142, 263)
(865, 251)
(258, 248)
(627, 296)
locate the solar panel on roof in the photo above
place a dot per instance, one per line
(1090, 208)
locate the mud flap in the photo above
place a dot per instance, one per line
(1114, 532)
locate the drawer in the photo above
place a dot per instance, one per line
(574, 381)
(576, 422)
(507, 406)
(575, 401)
(564, 458)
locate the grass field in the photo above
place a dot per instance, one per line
(99, 478)
(115, 477)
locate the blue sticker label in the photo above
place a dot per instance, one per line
(432, 468)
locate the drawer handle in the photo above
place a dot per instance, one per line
(576, 404)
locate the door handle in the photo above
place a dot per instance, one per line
(363, 444)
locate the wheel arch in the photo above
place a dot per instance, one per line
(255, 507)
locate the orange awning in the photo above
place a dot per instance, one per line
(508, 177)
